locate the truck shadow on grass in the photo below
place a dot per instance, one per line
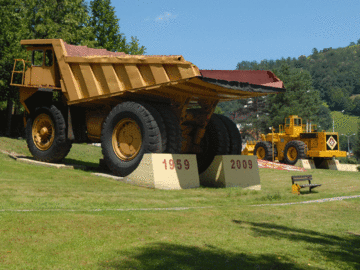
(343, 249)
(84, 165)
(176, 257)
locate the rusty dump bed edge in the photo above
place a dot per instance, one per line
(243, 86)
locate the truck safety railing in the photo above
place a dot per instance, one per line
(19, 71)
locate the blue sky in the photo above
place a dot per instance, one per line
(219, 34)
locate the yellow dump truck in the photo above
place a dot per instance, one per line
(131, 104)
(295, 141)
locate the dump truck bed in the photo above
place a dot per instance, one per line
(90, 75)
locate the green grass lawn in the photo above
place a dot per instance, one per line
(74, 221)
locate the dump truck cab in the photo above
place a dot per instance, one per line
(41, 71)
(44, 70)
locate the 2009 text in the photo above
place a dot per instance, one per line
(238, 164)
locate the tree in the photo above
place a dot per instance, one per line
(11, 34)
(105, 26)
(57, 19)
(299, 99)
(134, 48)
(356, 149)
(106, 29)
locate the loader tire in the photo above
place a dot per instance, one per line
(173, 130)
(264, 150)
(46, 135)
(294, 150)
(215, 142)
(234, 135)
(129, 131)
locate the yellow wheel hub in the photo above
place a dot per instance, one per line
(292, 153)
(260, 153)
(126, 139)
(43, 132)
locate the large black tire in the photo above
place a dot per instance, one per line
(264, 150)
(173, 130)
(46, 134)
(215, 142)
(234, 135)
(129, 131)
(294, 150)
(159, 120)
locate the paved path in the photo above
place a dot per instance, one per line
(312, 201)
(175, 208)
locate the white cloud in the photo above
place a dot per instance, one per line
(166, 16)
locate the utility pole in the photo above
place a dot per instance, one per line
(348, 137)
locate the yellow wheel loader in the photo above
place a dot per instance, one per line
(295, 141)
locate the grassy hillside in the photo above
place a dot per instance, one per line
(345, 124)
(70, 219)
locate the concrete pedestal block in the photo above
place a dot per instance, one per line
(166, 171)
(332, 164)
(306, 164)
(232, 171)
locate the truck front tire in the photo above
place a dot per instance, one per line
(46, 135)
(129, 131)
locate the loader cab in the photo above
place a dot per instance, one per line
(293, 125)
(44, 70)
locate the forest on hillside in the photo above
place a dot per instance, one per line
(335, 74)
(327, 80)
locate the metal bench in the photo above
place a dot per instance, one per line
(296, 188)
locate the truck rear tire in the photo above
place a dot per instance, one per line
(263, 150)
(294, 150)
(234, 135)
(173, 130)
(215, 142)
(129, 131)
(46, 135)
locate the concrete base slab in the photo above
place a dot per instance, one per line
(232, 171)
(54, 165)
(306, 164)
(164, 171)
(348, 167)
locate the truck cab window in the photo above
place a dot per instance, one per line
(297, 122)
(287, 122)
(37, 58)
(48, 58)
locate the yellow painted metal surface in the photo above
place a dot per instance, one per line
(127, 139)
(88, 78)
(295, 189)
(43, 132)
